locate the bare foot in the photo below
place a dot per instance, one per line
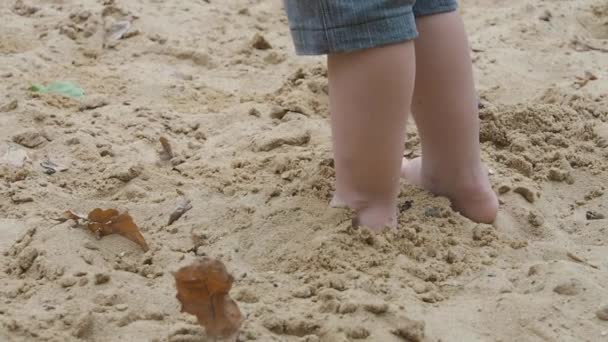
(470, 193)
(376, 218)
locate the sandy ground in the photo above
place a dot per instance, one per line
(251, 139)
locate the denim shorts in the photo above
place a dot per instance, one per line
(332, 26)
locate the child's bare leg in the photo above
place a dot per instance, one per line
(445, 110)
(370, 94)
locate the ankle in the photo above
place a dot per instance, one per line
(453, 181)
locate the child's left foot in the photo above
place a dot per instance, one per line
(470, 191)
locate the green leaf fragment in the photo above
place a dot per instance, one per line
(68, 89)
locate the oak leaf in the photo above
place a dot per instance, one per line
(202, 289)
(110, 221)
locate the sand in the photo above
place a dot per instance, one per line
(248, 124)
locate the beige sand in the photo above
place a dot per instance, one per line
(250, 133)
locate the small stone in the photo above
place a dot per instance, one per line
(535, 219)
(93, 103)
(337, 283)
(68, 31)
(154, 316)
(410, 330)
(451, 257)
(20, 198)
(570, 288)
(434, 212)
(503, 189)
(83, 325)
(9, 106)
(26, 258)
(106, 298)
(328, 294)
(255, 112)
(558, 175)
(602, 313)
(121, 307)
(420, 288)
(101, 278)
(200, 136)
(83, 281)
(260, 43)
(91, 246)
(432, 297)
(525, 193)
(87, 257)
(592, 215)
(330, 306)
(158, 38)
(183, 76)
(376, 308)
(278, 138)
(275, 58)
(128, 174)
(99, 309)
(246, 296)
(545, 16)
(127, 319)
(593, 194)
(68, 281)
(131, 33)
(357, 333)
(302, 292)
(534, 270)
(348, 307)
(90, 54)
(201, 251)
(72, 141)
(29, 139)
(277, 112)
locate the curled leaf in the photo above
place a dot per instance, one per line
(202, 289)
(182, 207)
(110, 221)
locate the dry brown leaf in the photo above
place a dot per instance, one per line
(202, 289)
(110, 221)
(182, 207)
(102, 216)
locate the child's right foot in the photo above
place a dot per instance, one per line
(470, 191)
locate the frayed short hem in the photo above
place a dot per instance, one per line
(377, 33)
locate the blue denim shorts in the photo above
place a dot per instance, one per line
(332, 26)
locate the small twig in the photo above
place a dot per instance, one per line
(596, 48)
(167, 152)
(583, 46)
(581, 260)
